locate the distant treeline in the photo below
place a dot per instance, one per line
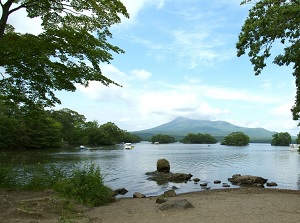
(25, 128)
(180, 138)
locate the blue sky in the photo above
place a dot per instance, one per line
(181, 60)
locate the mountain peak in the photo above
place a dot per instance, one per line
(182, 126)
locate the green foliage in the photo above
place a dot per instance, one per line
(162, 139)
(110, 134)
(86, 185)
(298, 138)
(91, 133)
(273, 22)
(22, 127)
(73, 43)
(71, 122)
(281, 139)
(236, 139)
(41, 176)
(198, 139)
(129, 137)
(82, 183)
(8, 174)
(32, 128)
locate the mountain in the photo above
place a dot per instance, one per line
(180, 127)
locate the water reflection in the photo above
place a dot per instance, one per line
(127, 168)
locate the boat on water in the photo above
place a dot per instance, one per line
(128, 145)
(294, 147)
(82, 147)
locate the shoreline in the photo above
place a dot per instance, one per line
(263, 205)
(250, 205)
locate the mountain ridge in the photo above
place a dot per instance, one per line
(181, 126)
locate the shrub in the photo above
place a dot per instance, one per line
(42, 177)
(71, 181)
(86, 186)
(8, 175)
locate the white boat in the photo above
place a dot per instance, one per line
(294, 147)
(82, 147)
(128, 145)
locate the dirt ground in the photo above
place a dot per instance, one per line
(227, 205)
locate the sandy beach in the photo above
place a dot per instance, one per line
(227, 205)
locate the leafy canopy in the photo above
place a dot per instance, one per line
(198, 138)
(281, 139)
(269, 22)
(236, 139)
(69, 51)
(162, 139)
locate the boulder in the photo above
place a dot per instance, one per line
(196, 180)
(170, 193)
(272, 184)
(162, 178)
(138, 195)
(176, 204)
(179, 177)
(121, 191)
(163, 175)
(226, 185)
(163, 166)
(247, 180)
(217, 181)
(161, 200)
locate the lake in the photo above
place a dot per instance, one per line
(126, 168)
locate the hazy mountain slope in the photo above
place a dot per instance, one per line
(182, 126)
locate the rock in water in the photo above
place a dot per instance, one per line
(163, 165)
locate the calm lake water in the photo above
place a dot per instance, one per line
(126, 168)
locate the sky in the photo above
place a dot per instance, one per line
(180, 61)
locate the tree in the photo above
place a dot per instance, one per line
(281, 139)
(72, 122)
(198, 139)
(110, 134)
(129, 137)
(236, 139)
(271, 21)
(69, 51)
(162, 139)
(298, 138)
(22, 127)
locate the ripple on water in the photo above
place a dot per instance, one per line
(127, 168)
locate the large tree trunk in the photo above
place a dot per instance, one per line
(4, 17)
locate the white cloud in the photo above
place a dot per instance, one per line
(199, 47)
(267, 85)
(178, 101)
(282, 110)
(141, 74)
(134, 8)
(236, 94)
(98, 92)
(166, 101)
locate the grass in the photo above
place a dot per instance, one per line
(83, 183)
(86, 186)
